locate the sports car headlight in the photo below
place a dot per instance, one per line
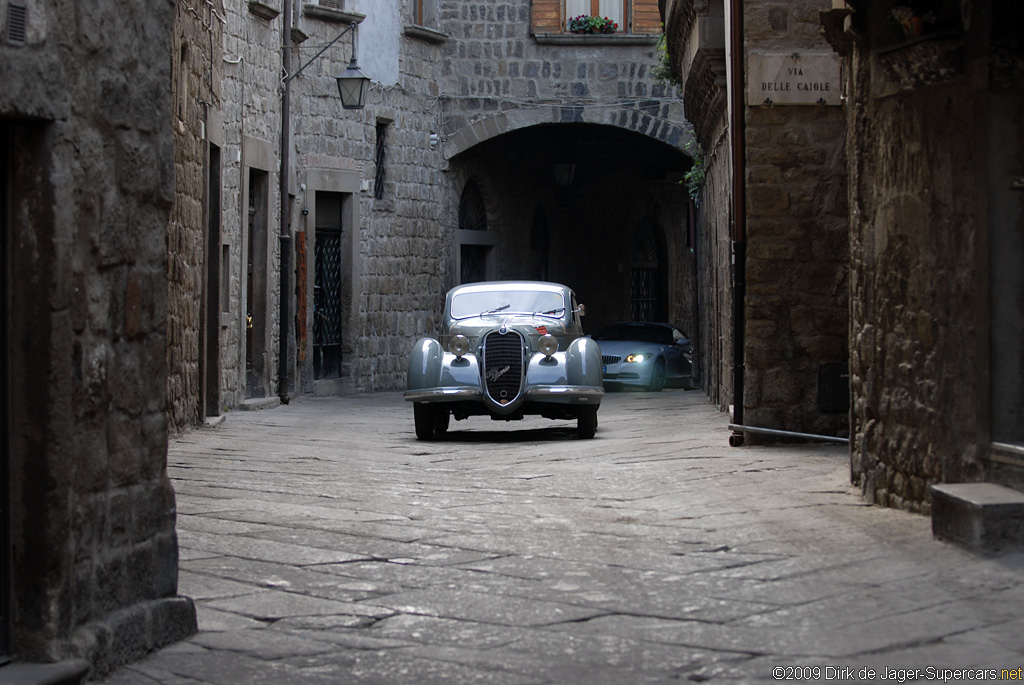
(459, 346)
(636, 358)
(547, 345)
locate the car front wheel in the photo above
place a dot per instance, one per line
(442, 418)
(423, 415)
(586, 422)
(657, 377)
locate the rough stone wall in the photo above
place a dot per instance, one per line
(796, 228)
(194, 88)
(251, 96)
(695, 35)
(94, 552)
(495, 64)
(714, 265)
(921, 196)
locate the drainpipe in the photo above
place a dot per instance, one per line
(739, 236)
(285, 237)
(696, 299)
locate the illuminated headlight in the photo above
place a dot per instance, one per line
(547, 345)
(459, 345)
(636, 358)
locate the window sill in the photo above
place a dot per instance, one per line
(263, 9)
(595, 39)
(334, 16)
(425, 33)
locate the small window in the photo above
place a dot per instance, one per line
(611, 9)
(381, 156)
(425, 13)
(632, 16)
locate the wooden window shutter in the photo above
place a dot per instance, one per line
(646, 18)
(547, 16)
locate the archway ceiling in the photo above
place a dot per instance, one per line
(597, 151)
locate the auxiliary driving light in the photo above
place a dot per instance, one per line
(459, 346)
(547, 345)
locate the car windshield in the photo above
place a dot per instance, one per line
(647, 334)
(480, 303)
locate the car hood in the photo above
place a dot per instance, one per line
(626, 347)
(532, 327)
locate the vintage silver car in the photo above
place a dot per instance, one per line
(508, 349)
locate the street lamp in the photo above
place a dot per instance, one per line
(352, 86)
(352, 83)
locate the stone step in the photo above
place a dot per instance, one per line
(70, 672)
(986, 518)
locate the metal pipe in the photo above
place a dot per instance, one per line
(285, 236)
(785, 434)
(737, 125)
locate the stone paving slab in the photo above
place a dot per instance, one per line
(323, 543)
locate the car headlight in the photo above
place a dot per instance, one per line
(458, 345)
(547, 345)
(637, 358)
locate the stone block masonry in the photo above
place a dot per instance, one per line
(92, 512)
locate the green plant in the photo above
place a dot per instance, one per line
(595, 24)
(662, 71)
(693, 179)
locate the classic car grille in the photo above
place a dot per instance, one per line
(503, 365)
(610, 359)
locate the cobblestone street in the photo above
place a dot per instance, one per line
(322, 543)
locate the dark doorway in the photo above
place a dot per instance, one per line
(648, 281)
(211, 372)
(5, 470)
(255, 284)
(540, 243)
(327, 303)
(474, 250)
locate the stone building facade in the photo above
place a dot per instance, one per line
(390, 206)
(773, 254)
(88, 552)
(934, 120)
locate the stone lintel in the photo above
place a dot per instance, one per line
(985, 518)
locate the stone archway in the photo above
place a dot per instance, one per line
(653, 120)
(577, 228)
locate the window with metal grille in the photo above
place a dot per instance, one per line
(381, 157)
(647, 278)
(17, 23)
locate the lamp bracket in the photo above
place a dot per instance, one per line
(324, 49)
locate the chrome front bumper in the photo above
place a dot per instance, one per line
(558, 394)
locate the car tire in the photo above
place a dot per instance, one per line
(442, 418)
(424, 417)
(657, 377)
(586, 422)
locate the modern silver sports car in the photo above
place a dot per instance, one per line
(646, 355)
(508, 349)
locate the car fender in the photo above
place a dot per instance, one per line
(425, 364)
(460, 370)
(583, 363)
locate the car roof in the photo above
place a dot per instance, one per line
(489, 286)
